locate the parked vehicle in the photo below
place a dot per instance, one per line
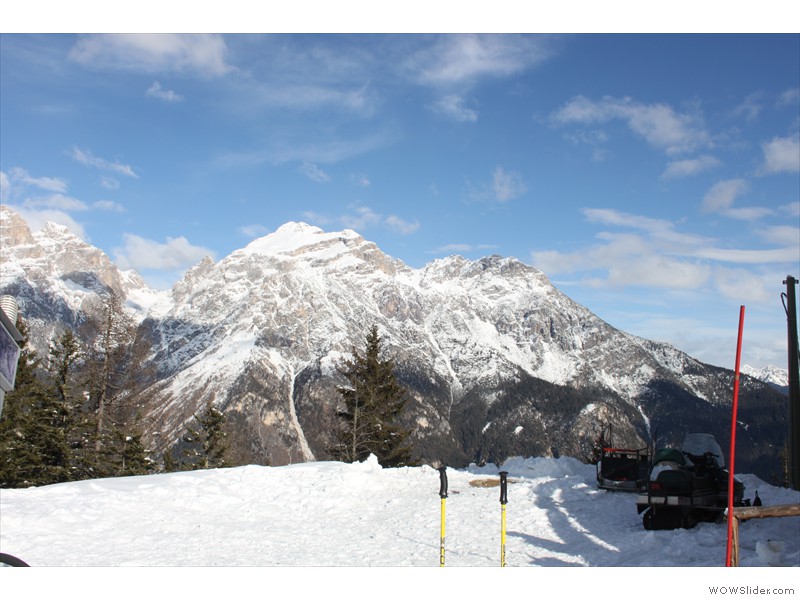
(687, 485)
(623, 469)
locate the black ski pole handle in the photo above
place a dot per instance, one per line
(503, 487)
(443, 482)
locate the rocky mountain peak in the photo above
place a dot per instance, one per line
(295, 238)
(14, 231)
(495, 358)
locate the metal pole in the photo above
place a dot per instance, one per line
(443, 496)
(503, 502)
(794, 385)
(731, 476)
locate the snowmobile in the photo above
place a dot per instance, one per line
(687, 486)
(623, 469)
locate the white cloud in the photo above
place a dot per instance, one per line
(781, 155)
(325, 152)
(781, 235)
(659, 229)
(360, 180)
(108, 206)
(748, 213)
(462, 59)
(722, 194)
(309, 96)
(690, 166)
(750, 107)
(59, 202)
(453, 248)
(655, 254)
(85, 157)
(142, 254)
(51, 184)
(452, 107)
(5, 187)
(657, 270)
(401, 226)
(37, 209)
(507, 185)
(743, 285)
(363, 218)
(314, 173)
(156, 91)
(658, 124)
(720, 198)
(203, 54)
(461, 248)
(792, 209)
(595, 138)
(305, 73)
(789, 98)
(627, 260)
(253, 231)
(748, 257)
(318, 218)
(109, 182)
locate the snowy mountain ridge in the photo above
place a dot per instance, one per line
(497, 360)
(769, 374)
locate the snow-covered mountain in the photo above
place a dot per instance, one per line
(779, 378)
(498, 362)
(55, 276)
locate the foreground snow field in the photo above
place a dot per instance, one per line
(329, 514)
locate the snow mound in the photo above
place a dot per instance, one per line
(361, 514)
(536, 468)
(324, 514)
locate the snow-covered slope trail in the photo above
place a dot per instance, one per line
(329, 514)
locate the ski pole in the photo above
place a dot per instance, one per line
(503, 502)
(443, 496)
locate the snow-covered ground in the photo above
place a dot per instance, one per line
(329, 514)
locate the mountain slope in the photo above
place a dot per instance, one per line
(497, 361)
(56, 277)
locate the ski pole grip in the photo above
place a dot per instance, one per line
(503, 487)
(443, 482)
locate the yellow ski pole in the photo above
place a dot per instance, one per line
(503, 502)
(443, 496)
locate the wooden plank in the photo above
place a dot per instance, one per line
(742, 513)
(757, 512)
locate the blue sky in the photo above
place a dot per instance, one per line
(654, 178)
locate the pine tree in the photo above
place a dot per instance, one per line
(66, 360)
(115, 360)
(33, 447)
(206, 443)
(129, 456)
(50, 427)
(373, 402)
(65, 352)
(170, 464)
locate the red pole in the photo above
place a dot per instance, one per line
(732, 452)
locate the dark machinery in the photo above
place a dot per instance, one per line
(623, 469)
(687, 485)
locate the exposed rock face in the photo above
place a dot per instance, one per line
(497, 361)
